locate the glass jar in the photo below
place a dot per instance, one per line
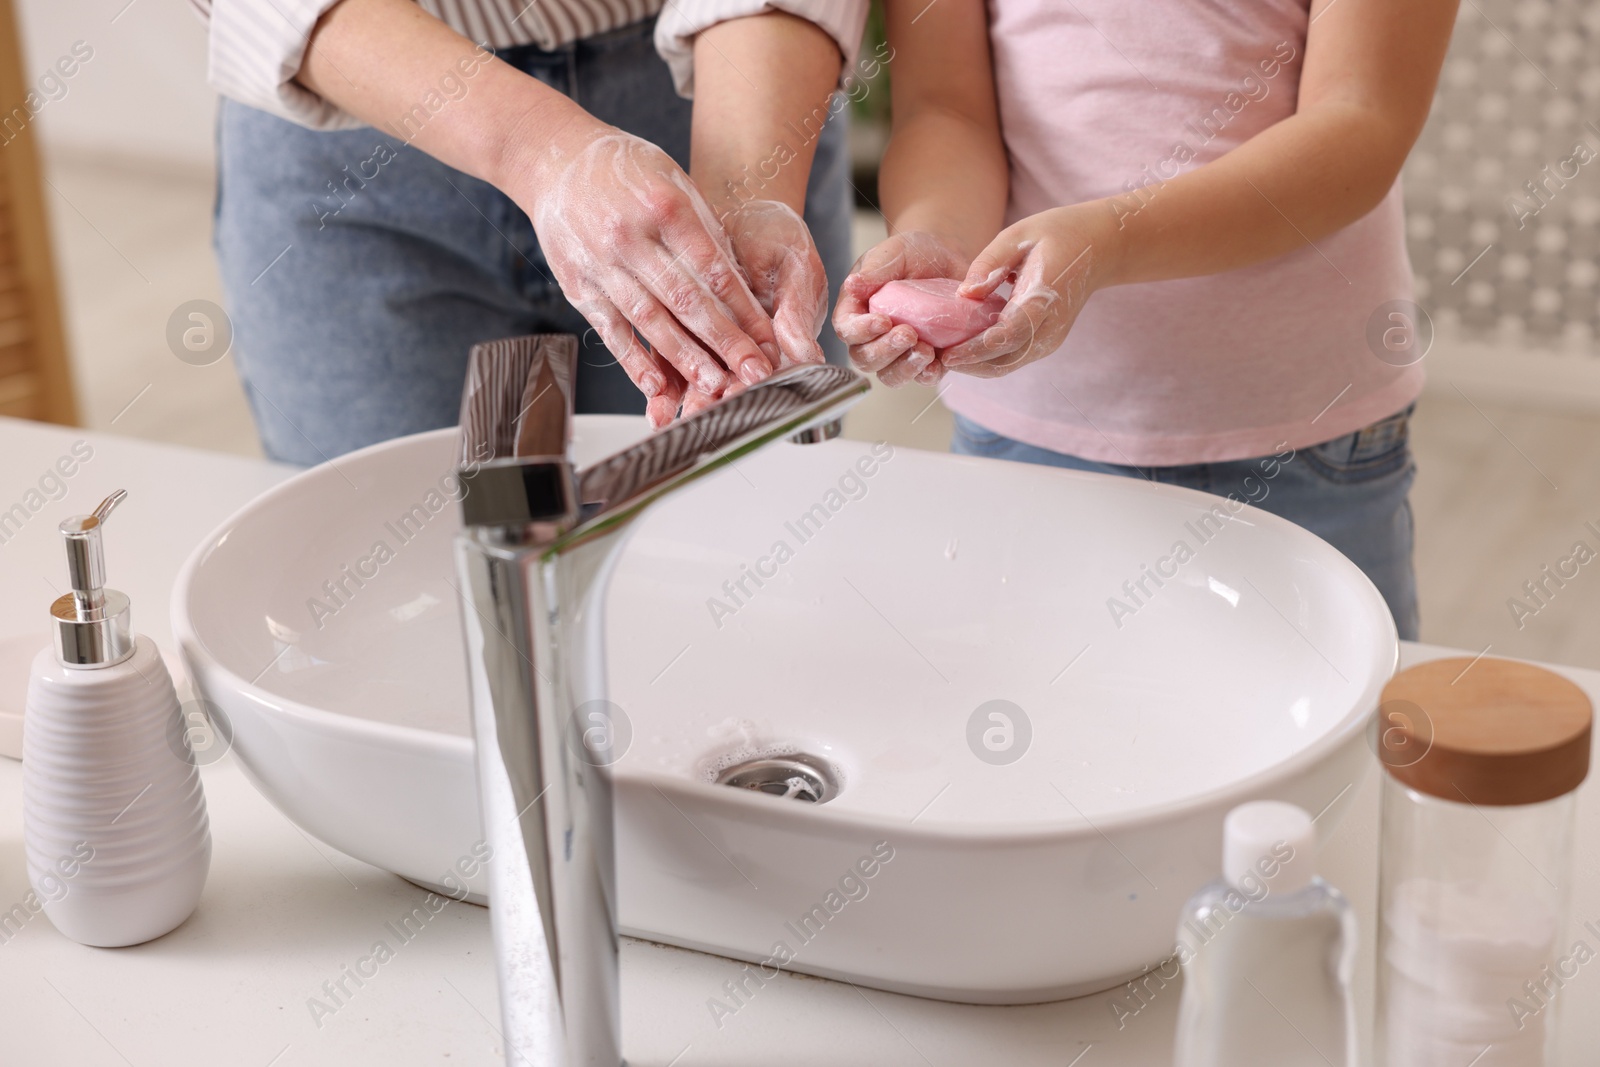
(1483, 759)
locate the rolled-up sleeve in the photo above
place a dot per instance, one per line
(680, 21)
(254, 52)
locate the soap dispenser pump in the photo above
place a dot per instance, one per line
(114, 820)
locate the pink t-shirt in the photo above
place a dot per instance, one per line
(1097, 94)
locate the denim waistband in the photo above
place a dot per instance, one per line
(1385, 433)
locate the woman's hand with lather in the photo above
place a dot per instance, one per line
(638, 252)
(780, 262)
(629, 238)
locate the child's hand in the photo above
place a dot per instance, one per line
(1054, 259)
(877, 346)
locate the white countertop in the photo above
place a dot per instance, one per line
(283, 914)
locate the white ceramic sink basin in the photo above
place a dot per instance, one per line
(886, 612)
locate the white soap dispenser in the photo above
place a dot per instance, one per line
(114, 819)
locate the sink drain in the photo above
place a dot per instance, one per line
(795, 776)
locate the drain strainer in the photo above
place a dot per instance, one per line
(796, 777)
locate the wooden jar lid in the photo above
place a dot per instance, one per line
(1495, 732)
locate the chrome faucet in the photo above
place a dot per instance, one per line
(535, 556)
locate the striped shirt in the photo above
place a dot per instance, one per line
(256, 46)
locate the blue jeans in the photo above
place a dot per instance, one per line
(359, 278)
(1350, 491)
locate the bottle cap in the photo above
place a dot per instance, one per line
(92, 622)
(1488, 731)
(1271, 843)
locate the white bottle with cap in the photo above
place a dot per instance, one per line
(114, 820)
(1267, 952)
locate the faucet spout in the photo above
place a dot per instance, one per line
(535, 555)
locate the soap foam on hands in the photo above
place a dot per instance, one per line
(932, 307)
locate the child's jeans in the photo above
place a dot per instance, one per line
(1350, 491)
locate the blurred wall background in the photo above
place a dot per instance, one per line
(1503, 203)
(142, 97)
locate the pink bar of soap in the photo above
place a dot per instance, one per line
(931, 307)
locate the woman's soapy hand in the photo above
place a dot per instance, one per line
(877, 345)
(780, 263)
(635, 247)
(631, 241)
(1054, 260)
